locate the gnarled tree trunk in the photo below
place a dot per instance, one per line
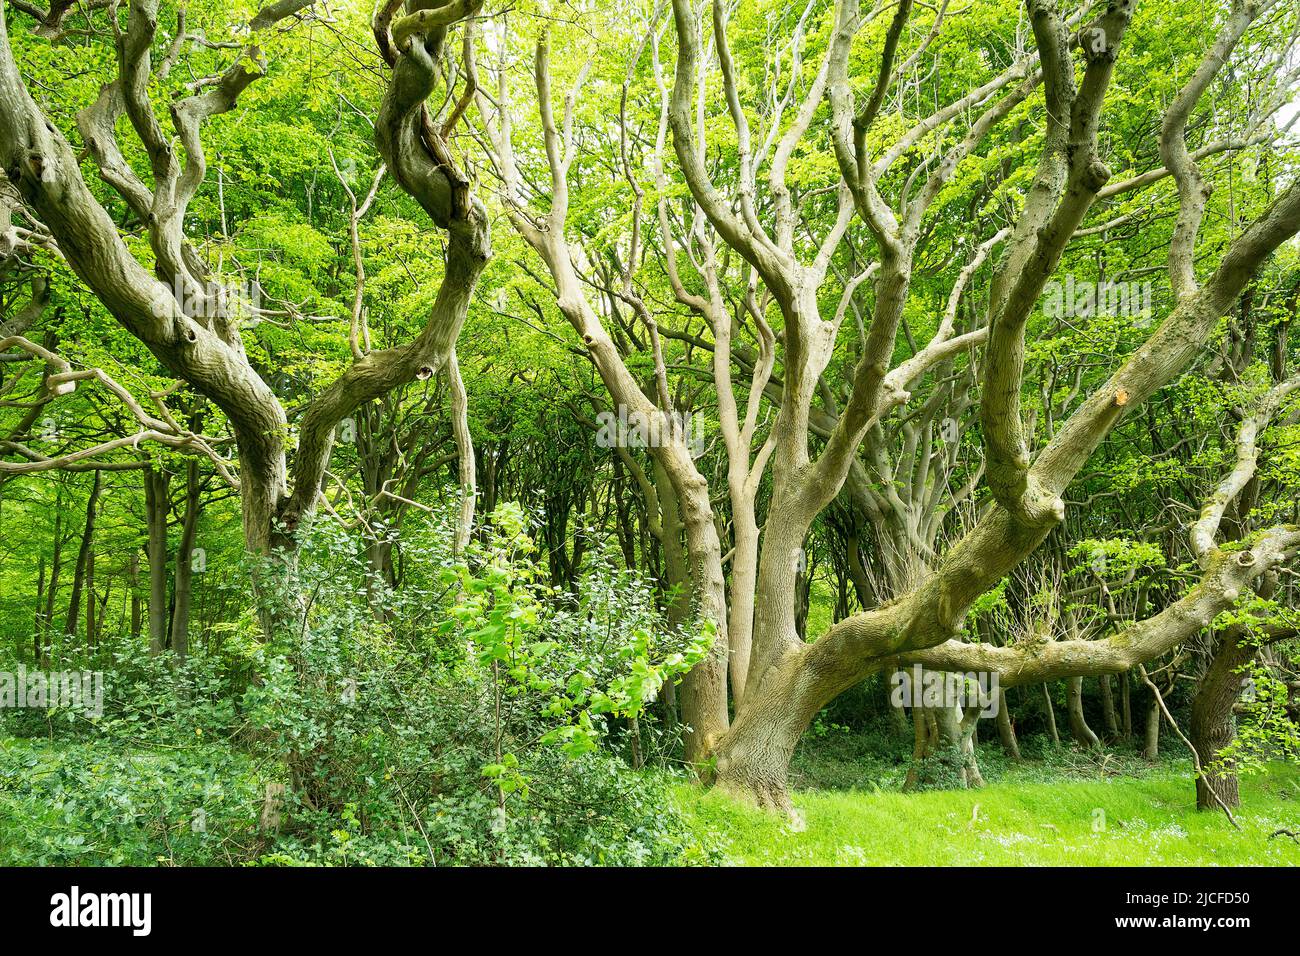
(943, 757)
(1212, 726)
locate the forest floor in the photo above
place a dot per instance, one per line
(67, 802)
(1018, 820)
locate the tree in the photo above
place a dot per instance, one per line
(189, 322)
(789, 681)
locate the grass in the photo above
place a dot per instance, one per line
(1017, 821)
(69, 803)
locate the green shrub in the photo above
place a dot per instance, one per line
(474, 718)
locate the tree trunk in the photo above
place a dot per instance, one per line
(38, 619)
(56, 566)
(943, 757)
(1110, 720)
(744, 578)
(753, 759)
(83, 560)
(1006, 729)
(133, 584)
(862, 585)
(1125, 707)
(1151, 743)
(925, 733)
(156, 506)
(184, 574)
(382, 577)
(1051, 715)
(1212, 727)
(703, 696)
(779, 564)
(1079, 728)
(675, 574)
(898, 721)
(803, 603)
(91, 619)
(969, 727)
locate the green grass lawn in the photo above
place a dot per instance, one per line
(1118, 821)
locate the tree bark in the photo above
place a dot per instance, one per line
(56, 566)
(676, 573)
(1006, 729)
(133, 588)
(38, 619)
(898, 721)
(943, 757)
(1212, 727)
(1126, 707)
(184, 573)
(1050, 711)
(1110, 720)
(1151, 736)
(83, 561)
(156, 490)
(1079, 728)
